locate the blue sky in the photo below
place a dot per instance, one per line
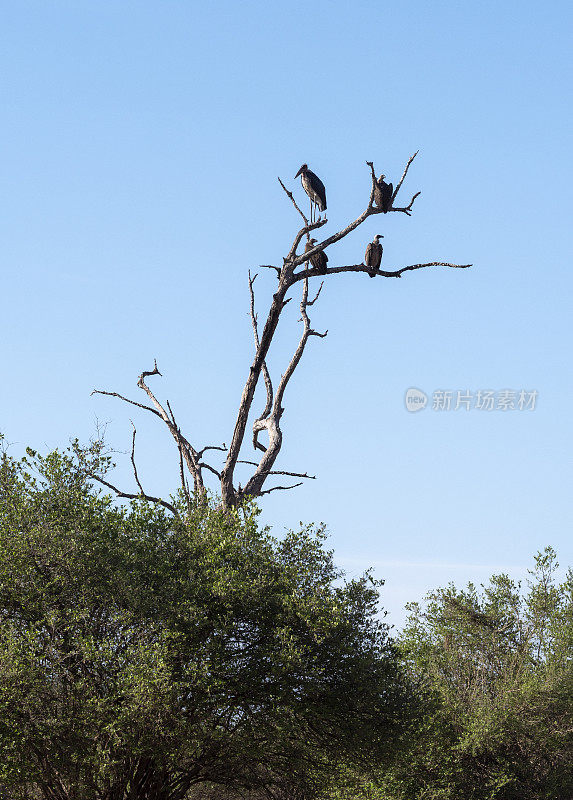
(141, 143)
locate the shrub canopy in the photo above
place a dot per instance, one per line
(142, 654)
(493, 669)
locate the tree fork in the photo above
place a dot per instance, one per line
(228, 495)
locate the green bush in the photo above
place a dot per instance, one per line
(143, 654)
(494, 671)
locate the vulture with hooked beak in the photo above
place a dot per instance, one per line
(383, 194)
(319, 259)
(373, 255)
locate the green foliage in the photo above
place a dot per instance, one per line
(142, 654)
(495, 671)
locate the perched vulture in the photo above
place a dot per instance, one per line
(383, 194)
(319, 259)
(314, 188)
(373, 255)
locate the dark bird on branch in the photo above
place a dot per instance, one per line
(373, 255)
(383, 194)
(319, 259)
(314, 188)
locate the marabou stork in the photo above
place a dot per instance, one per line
(383, 194)
(314, 188)
(373, 255)
(319, 259)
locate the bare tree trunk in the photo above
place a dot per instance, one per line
(228, 493)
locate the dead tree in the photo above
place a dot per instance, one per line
(297, 269)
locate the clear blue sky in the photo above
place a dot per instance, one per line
(140, 147)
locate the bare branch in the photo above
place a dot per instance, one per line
(133, 460)
(184, 483)
(266, 376)
(211, 447)
(374, 184)
(127, 400)
(298, 352)
(312, 302)
(292, 474)
(309, 273)
(142, 385)
(401, 181)
(179, 443)
(275, 488)
(408, 209)
(429, 264)
(171, 413)
(411, 203)
(293, 201)
(154, 371)
(271, 266)
(188, 453)
(209, 468)
(129, 496)
(279, 471)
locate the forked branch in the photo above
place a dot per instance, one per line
(271, 422)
